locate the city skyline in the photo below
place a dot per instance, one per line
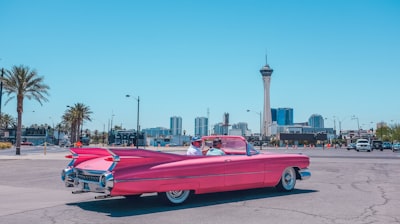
(202, 59)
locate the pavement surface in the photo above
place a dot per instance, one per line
(346, 187)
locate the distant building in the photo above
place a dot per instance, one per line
(126, 137)
(274, 114)
(201, 126)
(316, 121)
(284, 116)
(225, 124)
(242, 128)
(156, 132)
(176, 125)
(36, 136)
(218, 129)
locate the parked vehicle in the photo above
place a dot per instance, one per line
(27, 143)
(377, 144)
(130, 173)
(386, 145)
(351, 146)
(396, 147)
(363, 145)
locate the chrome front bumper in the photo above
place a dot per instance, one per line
(88, 181)
(304, 174)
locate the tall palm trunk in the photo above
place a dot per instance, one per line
(20, 100)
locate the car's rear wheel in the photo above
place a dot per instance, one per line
(176, 197)
(288, 180)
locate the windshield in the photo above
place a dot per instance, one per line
(251, 150)
(231, 145)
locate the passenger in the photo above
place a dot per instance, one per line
(195, 147)
(216, 149)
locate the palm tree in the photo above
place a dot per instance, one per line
(75, 116)
(7, 121)
(21, 82)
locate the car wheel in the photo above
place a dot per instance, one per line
(288, 180)
(176, 197)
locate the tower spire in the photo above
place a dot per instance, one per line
(266, 57)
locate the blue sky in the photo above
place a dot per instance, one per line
(185, 58)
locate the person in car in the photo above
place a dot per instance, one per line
(195, 147)
(216, 149)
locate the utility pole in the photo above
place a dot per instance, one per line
(1, 89)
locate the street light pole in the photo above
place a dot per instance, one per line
(1, 89)
(358, 124)
(260, 139)
(137, 121)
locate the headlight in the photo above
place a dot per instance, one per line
(107, 180)
(65, 173)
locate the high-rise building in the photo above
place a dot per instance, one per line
(242, 126)
(219, 129)
(284, 116)
(316, 121)
(274, 114)
(175, 125)
(201, 126)
(266, 73)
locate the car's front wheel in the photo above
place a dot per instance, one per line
(288, 180)
(176, 197)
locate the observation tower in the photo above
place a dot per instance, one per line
(266, 73)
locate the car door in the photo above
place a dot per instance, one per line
(243, 170)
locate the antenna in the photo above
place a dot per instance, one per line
(266, 57)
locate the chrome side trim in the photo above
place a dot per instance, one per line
(116, 159)
(182, 177)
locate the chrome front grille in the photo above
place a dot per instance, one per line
(88, 176)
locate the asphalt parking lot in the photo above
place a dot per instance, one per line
(345, 187)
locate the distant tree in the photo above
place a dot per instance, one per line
(395, 133)
(75, 116)
(118, 128)
(384, 133)
(21, 82)
(96, 136)
(7, 121)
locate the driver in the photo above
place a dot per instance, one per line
(216, 149)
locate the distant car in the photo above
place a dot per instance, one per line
(363, 145)
(396, 147)
(377, 144)
(65, 143)
(386, 145)
(27, 143)
(351, 146)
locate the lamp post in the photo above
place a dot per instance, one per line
(52, 135)
(137, 121)
(1, 88)
(358, 124)
(260, 139)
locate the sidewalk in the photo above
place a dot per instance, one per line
(51, 155)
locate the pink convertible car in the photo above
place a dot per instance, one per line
(132, 172)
